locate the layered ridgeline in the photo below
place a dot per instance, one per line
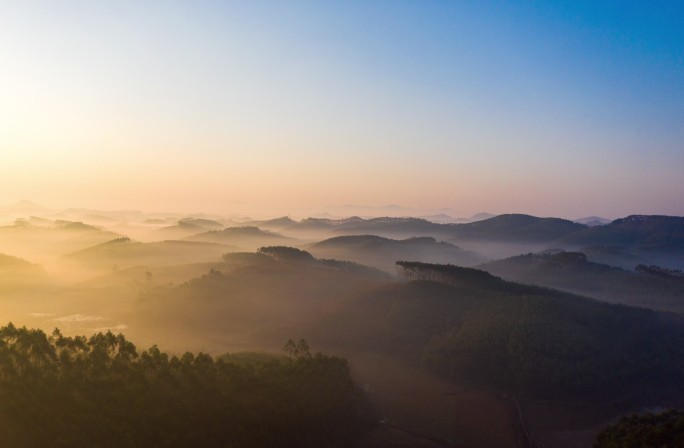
(648, 287)
(624, 242)
(101, 391)
(654, 239)
(461, 323)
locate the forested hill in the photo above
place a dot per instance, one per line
(638, 231)
(58, 391)
(384, 252)
(467, 324)
(516, 227)
(649, 287)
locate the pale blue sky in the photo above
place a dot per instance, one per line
(549, 108)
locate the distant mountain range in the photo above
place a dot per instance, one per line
(624, 242)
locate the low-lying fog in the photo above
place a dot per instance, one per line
(216, 284)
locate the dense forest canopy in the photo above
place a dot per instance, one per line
(101, 391)
(463, 323)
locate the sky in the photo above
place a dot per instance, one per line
(549, 108)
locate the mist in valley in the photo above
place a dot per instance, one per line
(325, 224)
(429, 333)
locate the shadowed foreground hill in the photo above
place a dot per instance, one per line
(100, 391)
(467, 324)
(256, 292)
(570, 271)
(461, 323)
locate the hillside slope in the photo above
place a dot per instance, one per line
(572, 272)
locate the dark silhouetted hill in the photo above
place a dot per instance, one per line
(639, 231)
(522, 338)
(654, 239)
(516, 228)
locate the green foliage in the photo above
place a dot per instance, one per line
(663, 430)
(100, 391)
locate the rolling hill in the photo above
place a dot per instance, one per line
(49, 242)
(382, 252)
(261, 295)
(186, 227)
(123, 252)
(19, 275)
(655, 239)
(572, 272)
(468, 324)
(461, 323)
(245, 238)
(637, 231)
(516, 228)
